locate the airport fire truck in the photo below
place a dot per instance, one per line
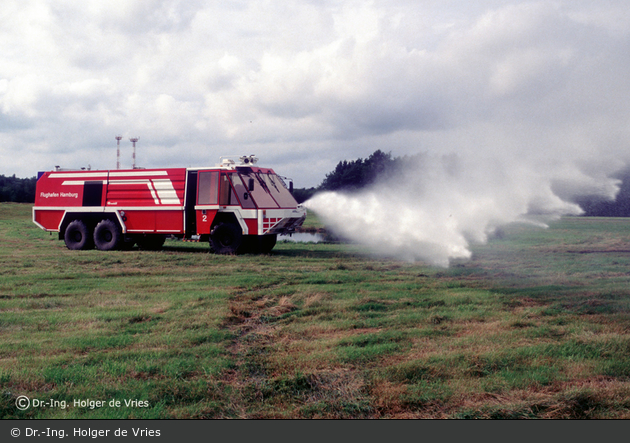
(236, 207)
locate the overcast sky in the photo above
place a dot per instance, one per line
(305, 84)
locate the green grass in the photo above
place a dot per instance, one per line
(535, 325)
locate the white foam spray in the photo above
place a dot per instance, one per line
(438, 206)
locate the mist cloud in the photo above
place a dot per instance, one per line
(437, 207)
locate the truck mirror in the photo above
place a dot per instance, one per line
(291, 187)
(250, 185)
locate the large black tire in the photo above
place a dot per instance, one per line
(107, 235)
(151, 242)
(77, 236)
(226, 238)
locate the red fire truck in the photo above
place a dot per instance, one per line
(236, 207)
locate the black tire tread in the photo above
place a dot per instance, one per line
(226, 238)
(107, 235)
(78, 236)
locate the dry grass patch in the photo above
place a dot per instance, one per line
(575, 399)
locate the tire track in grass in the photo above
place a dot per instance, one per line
(262, 388)
(253, 336)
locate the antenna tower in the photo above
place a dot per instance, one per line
(118, 139)
(134, 140)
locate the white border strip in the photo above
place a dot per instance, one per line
(86, 175)
(137, 173)
(107, 208)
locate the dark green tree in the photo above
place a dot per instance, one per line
(18, 190)
(357, 174)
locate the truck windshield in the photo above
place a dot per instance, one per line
(278, 190)
(269, 190)
(241, 191)
(259, 194)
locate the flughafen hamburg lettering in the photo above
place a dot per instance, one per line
(59, 194)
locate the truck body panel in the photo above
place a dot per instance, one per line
(184, 202)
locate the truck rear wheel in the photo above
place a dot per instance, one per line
(107, 235)
(226, 238)
(77, 236)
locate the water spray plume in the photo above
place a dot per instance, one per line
(435, 207)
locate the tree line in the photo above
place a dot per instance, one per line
(18, 190)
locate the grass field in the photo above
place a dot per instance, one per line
(536, 325)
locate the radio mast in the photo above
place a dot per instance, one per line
(134, 140)
(118, 139)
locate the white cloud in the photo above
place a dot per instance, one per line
(306, 84)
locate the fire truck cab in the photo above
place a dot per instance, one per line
(236, 207)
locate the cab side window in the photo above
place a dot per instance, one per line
(208, 188)
(226, 194)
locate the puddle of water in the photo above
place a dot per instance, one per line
(302, 237)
